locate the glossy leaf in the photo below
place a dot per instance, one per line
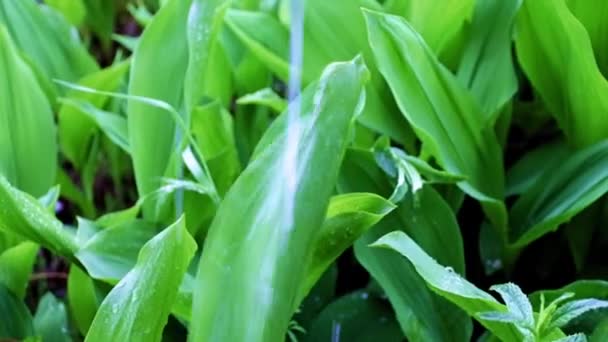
(348, 217)
(449, 284)
(450, 16)
(24, 216)
(16, 265)
(46, 38)
(51, 320)
(568, 78)
(422, 314)
(16, 320)
(265, 97)
(358, 316)
(152, 129)
(487, 67)
(560, 196)
(322, 44)
(83, 298)
(592, 14)
(112, 252)
(28, 147)
(76, 128)
(443, 114)
(125, 314)
(278, 224)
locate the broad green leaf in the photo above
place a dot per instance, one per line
(423, 315)
(204, 22)
(449, 17)
(487, 67)
(449, 284)
(83, 298)
(359, 316)
(162, 48)
(565, 191)
(600, 333)
(134, 311)
(16, 322)
(28, 147)
(16, 265)
(444, 116)
(76, 128)
(264, 97)
(322, 44)
(593, 14)
(256, 258)
(555, 52)
(580, 232)
(319, 296)
(348, 216)
(527, 171)
(112, 252)
(112, 125)
(581, 289)
(51, 320)
(47, 39)
(73, 10)
(24, 216)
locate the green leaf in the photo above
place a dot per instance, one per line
(592, 14)
(16, 265)
(73, 10)
(204, 22)
(573, 338)
(359, 316)
(83, 298)
(423, 315)
(450, 16)
(112, 125)
(51, 320)
(348, 216)
(213, 129)
(100, 18)
(16, 322)
(76, 126)
(134, 311)
(487, 67)
(450, 285)
(28, 149)
(563, 76)
(46, 38)
(152, 129)
(560, 196)
(23, 215)
(517, 303)
(264, 97)
(573, 309)
(323, 44)
(443, 114)
(528, 170)
(111, 253)
(256, 258)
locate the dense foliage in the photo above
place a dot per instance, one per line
(310, 170)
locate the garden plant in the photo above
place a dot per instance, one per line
(304, 170)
